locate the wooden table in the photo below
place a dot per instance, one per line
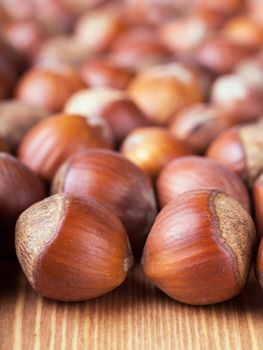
(134, 316)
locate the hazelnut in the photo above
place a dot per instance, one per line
(26, 36)
(62, 50)
(16, 119)
(19, 9)
(198, 125)
(238, 97)
(135, 34)
(152, 148)
(98, 28)
(19, 188)
(194, 28)
(79, 6)
(155, 12)
(258, 202)
(112, 105)
(139, 48)
(53, 140)
(244, 30)
(220, 55)
(226, 7)
(104, 72)
(54, 16)
(259, 264)
(48, 88)
(116, 183)
(80, 253)
(197, 173)
(251, 70)
(241, 150)
(163, 90)
(3, 146)
(9, 67)
(255, 10)
(199, 248)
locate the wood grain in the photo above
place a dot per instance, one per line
(135, 316)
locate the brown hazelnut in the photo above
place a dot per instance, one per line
(200, 247)
(244, 30)
(19, 188)
(220, 55)
(54, 16)
(81, 252)
(163, 90)
(16, 119)
(79, 6)
(9, 68)
(98, 28)
(104, 72)
(198, 125)
(255, 10)
(112, 105)
(241, 150)
(116, 183)
(53, 140)
(238, 97)
(152, 148)
(193, 28)
(259, 264)
(196, 173)
(251, 70)
(25, 36)
(226, 7)
(18, 9)
(62, 50)
(139, 48)
(3, 146)
(155, 12)
(49, 87)
(258, 202)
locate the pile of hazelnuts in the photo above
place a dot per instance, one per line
(132, 131)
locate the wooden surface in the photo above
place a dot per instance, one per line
(134, 316)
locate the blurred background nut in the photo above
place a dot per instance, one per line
(163, 90)
(226, 7)
(48, 87)
(3, 146)
(26, 36)
(194, 28)
(251, 70)
(139, 48)
(98, 72)
(220, 55)
(240, 98)
(97, 29)
(10, 65)
(112, 105)
(198, 125)
(152, 148)
(16, 118)
(62, 49)
(244, 30)
(255, 10)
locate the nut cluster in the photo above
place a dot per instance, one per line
(131, 131)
